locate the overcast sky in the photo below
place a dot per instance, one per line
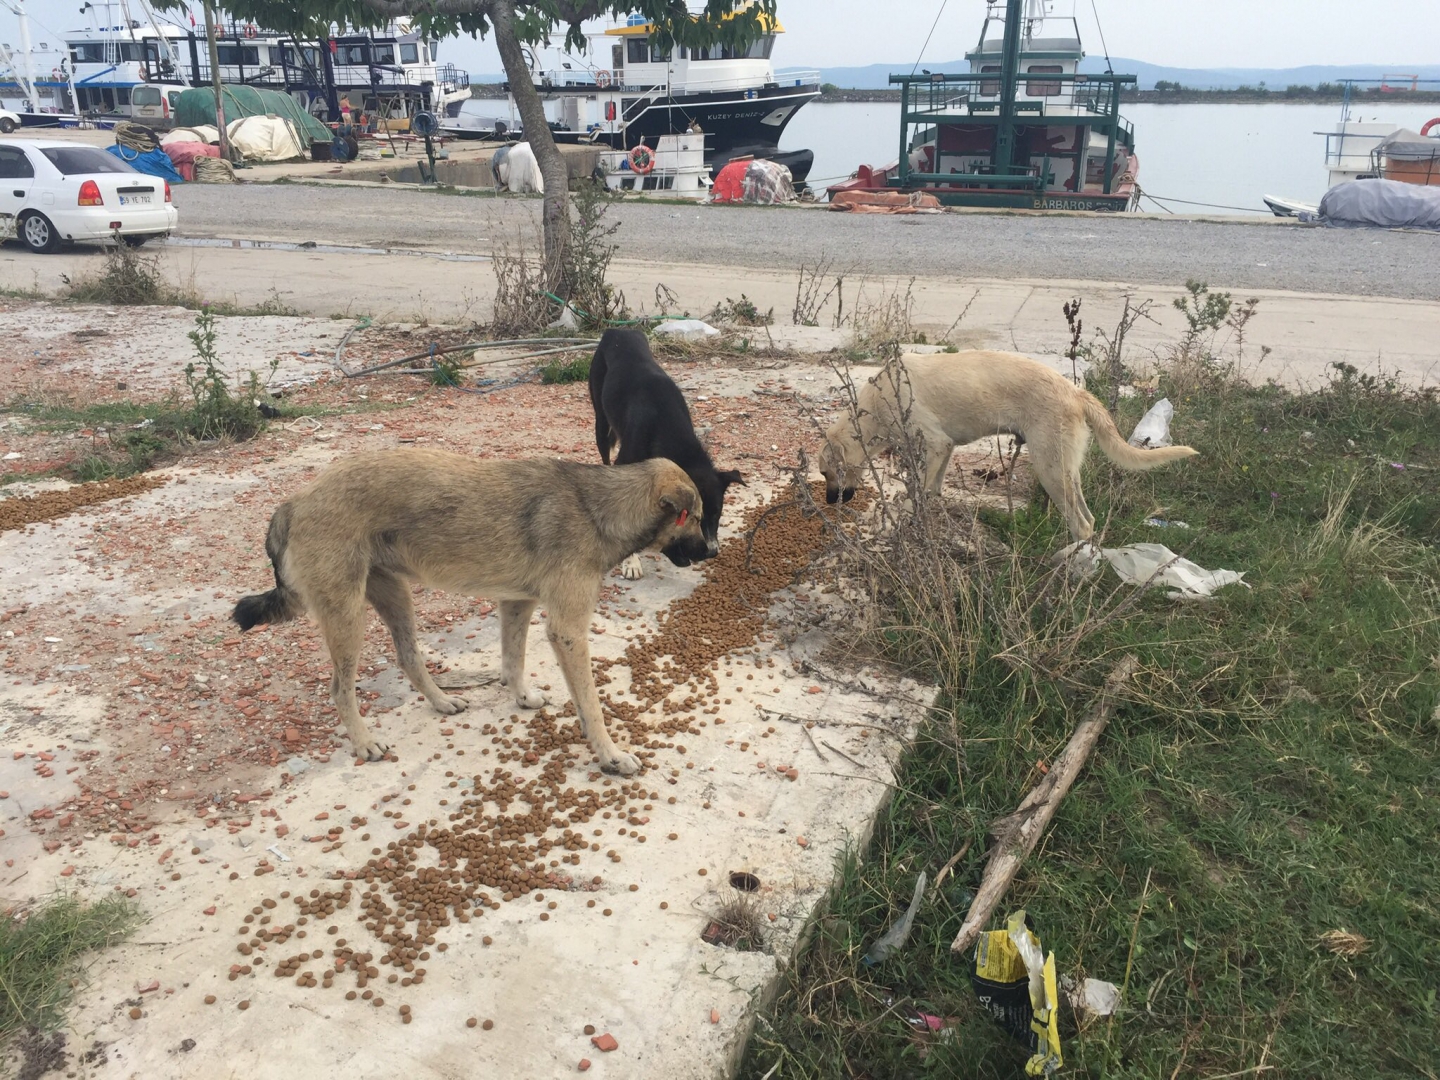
(1176, 33)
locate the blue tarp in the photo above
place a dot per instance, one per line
(152, 163)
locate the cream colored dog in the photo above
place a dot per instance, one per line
(948, 399)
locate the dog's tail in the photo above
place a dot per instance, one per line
(282, 603)
(1117, 449)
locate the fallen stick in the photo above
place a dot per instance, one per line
(1015, 835)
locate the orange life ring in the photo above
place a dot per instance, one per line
(250, 30)
(1430, 125)
(603, 78)
(642, 159)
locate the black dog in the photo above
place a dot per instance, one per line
(641, 408)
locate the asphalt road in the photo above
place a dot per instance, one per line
(1131, 248)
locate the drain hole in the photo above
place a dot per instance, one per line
(744, 882)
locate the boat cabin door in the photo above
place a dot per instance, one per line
(617, 58)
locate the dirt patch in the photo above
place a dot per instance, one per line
(23, 510)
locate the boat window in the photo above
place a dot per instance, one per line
(989, 87)
(384, 54)
(1043, 87)
(352, 54)
(87, 52)
(659, 55)
(238, 55)
(617, 56)
(79, 160)
(637, 51)
(409, 53)
(433, 48)
(131, 51)
(760, 47)
(14, 165)
(122, 97)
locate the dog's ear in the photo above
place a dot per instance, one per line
(730, 476)
(679, 499)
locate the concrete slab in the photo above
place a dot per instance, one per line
(144, 748)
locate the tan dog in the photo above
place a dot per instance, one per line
(949, 399)
(517, 532)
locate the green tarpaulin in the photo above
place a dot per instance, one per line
(198, 107)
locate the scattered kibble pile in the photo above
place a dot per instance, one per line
(23, 510)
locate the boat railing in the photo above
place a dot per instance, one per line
(586, 81)
(942, 96)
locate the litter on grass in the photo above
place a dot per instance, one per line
(1015, 982)
(1153, 430)
(1154, 565)
(687, 329)
(894, 939)
(1091, 998)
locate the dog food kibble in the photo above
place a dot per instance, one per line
(471, 1022)
(244, 1005)
(135, 1014)
(589, 1029)
(209, 999)
(487, 1025)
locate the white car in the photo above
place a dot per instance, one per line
(54, 193)
(9, 121)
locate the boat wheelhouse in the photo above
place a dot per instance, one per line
(626, 90)
(1022, 128)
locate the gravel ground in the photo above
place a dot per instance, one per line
(1134, 248)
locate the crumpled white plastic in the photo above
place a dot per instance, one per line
(1154, 427)
(1154, 565)
(687, 329)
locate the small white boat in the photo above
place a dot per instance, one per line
(675, 165)
(1289, 207)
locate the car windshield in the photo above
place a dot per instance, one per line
(78, 160)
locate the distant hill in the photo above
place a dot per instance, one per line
(876, 76)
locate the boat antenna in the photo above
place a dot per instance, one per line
(1109, 67)
(929, 35)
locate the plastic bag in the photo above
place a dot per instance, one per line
(688, 329)
(1154, 427)
(1152, 564)
(896, 936)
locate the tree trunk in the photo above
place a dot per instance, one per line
(556, 210)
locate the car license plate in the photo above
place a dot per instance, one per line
(134, 200)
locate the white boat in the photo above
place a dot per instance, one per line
(676, 166)
(624, 90)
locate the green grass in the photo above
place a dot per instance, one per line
(566, 371)
(42, 955)
(1272, 772)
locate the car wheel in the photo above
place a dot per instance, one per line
(38, 234)
(6, 125)
(135, 240)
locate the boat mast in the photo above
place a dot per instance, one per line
(32, 102)
(1004, 156)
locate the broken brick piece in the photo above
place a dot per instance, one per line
(605, 1042)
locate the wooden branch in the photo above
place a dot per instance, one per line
(1015, 835)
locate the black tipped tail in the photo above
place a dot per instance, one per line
(263, 609)
(280, 604)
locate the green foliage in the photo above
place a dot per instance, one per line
(1204, 311)
(724, 22)
(1269, 778)
(829, 89)
(1168, 86)
(566, 371)
(742, 312)
(127, 277)
(218, 413)
(40, 956)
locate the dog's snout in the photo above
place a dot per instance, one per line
(712, 548)
(846, 495)
(832, 495)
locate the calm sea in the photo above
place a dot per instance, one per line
(1222, 154)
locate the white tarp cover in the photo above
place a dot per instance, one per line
(205, 133)
(1407, 145)
(515, 169)
(1384, 204)
(264, 138)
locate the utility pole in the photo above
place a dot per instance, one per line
(215, 79)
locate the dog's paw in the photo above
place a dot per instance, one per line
(617, 761)
(371, 749)
(449, 704)
(631, 569)
(530, 699)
